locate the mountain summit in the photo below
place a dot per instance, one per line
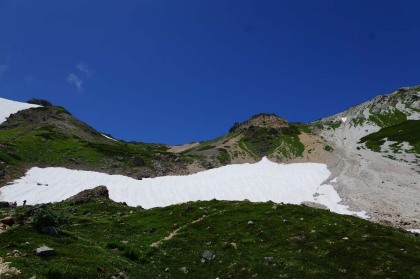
(263, 120)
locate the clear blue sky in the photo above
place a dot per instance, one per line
(180, 71)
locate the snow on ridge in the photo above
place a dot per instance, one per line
(108, 137)
(7, 107)
(259, 182)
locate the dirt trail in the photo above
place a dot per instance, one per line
(175, 232)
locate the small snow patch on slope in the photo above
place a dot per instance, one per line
(7, 107)
(109, 137)
(344, 119)
(259, 182)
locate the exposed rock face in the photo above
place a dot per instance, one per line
(40, 102)
(264, 120)
(87, 195)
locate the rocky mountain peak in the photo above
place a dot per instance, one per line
(265, 120)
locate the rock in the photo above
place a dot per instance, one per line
(87, 195)
(234, 127)
(122, 275)
(100, 269)
(40, 102)
(250, 223)
(124, 242)
(299, 237)
(116, 165)
(51, 231)
(150, 231)
(4, 204)
(15, 253)
(208, 256)
(184, 269)
(32, 210)
(8, 221)
(45, 251)
(269, 259)
(314, 205)
(190, 208)
(2, 173)
(137, 161)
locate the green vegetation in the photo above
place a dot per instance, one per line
(223, 156)
(407, 131)
(46, 217)
(103, 238)
(328, 148)
(205, 147)
(264, 141)
(388, 119)
(50, 136)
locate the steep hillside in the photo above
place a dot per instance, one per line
(376, 156)
(51, 136)
(215, 239)
(262, 135)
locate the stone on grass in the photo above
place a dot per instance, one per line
(208, 256)
(8, 221)
(184, 269)
(45, 251)
(51, 231)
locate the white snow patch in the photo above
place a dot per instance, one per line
(7, 107)
(334, 180)
(109, 137)
(344, 119)
(414, 230)
(259, 182)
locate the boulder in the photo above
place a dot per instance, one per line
(269, 260)
(184, 269)
(39, 102)
(51, 231)
(87, 195)
(208, 256)
(137, 161)
(10, 221)
(45, 251)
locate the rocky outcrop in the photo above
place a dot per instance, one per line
(88, 195)
(264, 120)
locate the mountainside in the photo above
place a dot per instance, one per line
(215, 209)
(262, 135)
(376, 156)
(216, 239)
(51, 136)
(371, 151)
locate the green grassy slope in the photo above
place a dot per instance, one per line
(406, 131)
(303, 243)
(51, 136)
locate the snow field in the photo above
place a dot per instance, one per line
(259, 182)
(8, 107)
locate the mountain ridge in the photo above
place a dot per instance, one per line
(362, 165)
